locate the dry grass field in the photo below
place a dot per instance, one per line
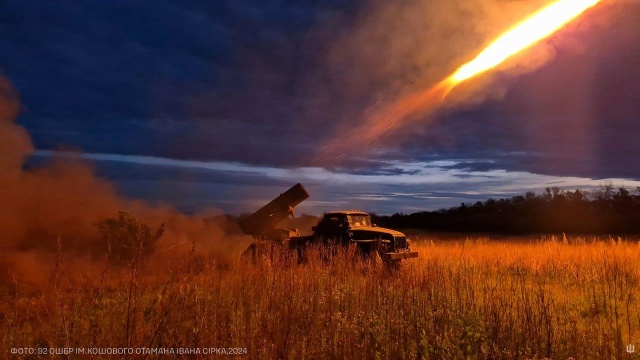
(466, 299)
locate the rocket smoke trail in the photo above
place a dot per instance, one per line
(388, 118)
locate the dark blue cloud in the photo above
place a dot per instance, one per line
(254, 82)
(101, 60)
(159, 72)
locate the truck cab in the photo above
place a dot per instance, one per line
(356, 227)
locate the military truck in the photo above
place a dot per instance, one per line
(335, 228)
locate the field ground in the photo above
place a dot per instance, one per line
(466, 299)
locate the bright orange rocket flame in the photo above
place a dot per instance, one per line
(537, 27)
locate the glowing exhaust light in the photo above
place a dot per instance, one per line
(537, 27)
(387, 118)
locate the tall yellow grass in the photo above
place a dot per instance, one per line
(468, 299)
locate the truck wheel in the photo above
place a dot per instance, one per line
(267, 252)
(393, 265)
(375, 259)
(256, 253)
(388, 263)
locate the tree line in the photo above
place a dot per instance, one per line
(605, 210)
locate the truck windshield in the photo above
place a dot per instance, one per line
(359, 220)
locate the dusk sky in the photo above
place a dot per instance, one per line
(226, 104)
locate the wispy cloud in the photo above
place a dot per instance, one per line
(400, 187)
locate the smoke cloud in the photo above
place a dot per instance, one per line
(60, 204)
(396, 52)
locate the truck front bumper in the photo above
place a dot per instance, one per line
(402, 255)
